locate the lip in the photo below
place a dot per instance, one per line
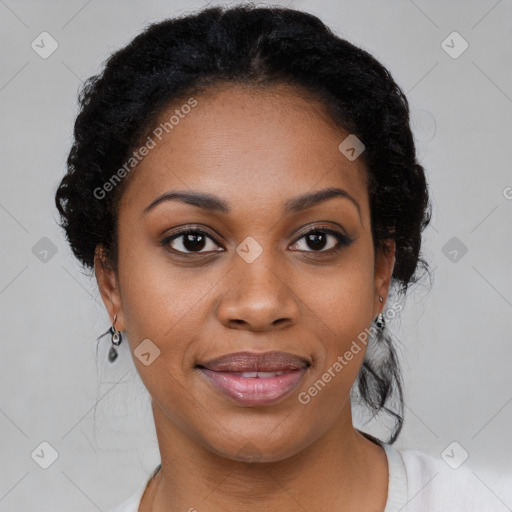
(223, 373)
(253, 391)
(273, 361)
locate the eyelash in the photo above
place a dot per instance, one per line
(342, 240)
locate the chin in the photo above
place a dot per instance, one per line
(258, 448)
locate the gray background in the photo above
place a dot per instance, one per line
(455, 340)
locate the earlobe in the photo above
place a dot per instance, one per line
(108, 287)
(384, 266)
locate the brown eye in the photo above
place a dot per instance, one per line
(190, 241)
(322, 240)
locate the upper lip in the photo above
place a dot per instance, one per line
(256, 362)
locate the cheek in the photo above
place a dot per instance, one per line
(340, 307)
(158, 294)
(160, 305)
(161, 302)
(341, 298)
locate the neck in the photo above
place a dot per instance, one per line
(342, 470)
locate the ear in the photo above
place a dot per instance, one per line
(384, 264)
(109, 288)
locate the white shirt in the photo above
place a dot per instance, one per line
(419, 482)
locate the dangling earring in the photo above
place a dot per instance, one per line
(116, 339)
(380, 322)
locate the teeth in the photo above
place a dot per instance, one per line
(249, 374)
(260, 375)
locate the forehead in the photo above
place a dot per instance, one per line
(242, 142)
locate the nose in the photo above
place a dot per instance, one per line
(257, 297)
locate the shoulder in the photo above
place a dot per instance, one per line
(435, 485)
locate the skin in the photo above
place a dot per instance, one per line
(255, 149)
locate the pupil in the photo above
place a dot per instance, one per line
(315, 240)
(194, 242)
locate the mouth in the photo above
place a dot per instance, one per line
(254, 379)
(256, 362)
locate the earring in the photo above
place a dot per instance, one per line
(116, 339)
(380, 322)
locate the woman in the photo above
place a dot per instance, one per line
(245, 186)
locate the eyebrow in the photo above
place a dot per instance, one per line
(215, 204)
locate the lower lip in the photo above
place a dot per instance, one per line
(253, 390)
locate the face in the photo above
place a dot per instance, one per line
(264, 267)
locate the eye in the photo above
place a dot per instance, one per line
(318, 240)
(189, 241)
(194, 240)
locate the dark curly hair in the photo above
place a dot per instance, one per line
(258, 47)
